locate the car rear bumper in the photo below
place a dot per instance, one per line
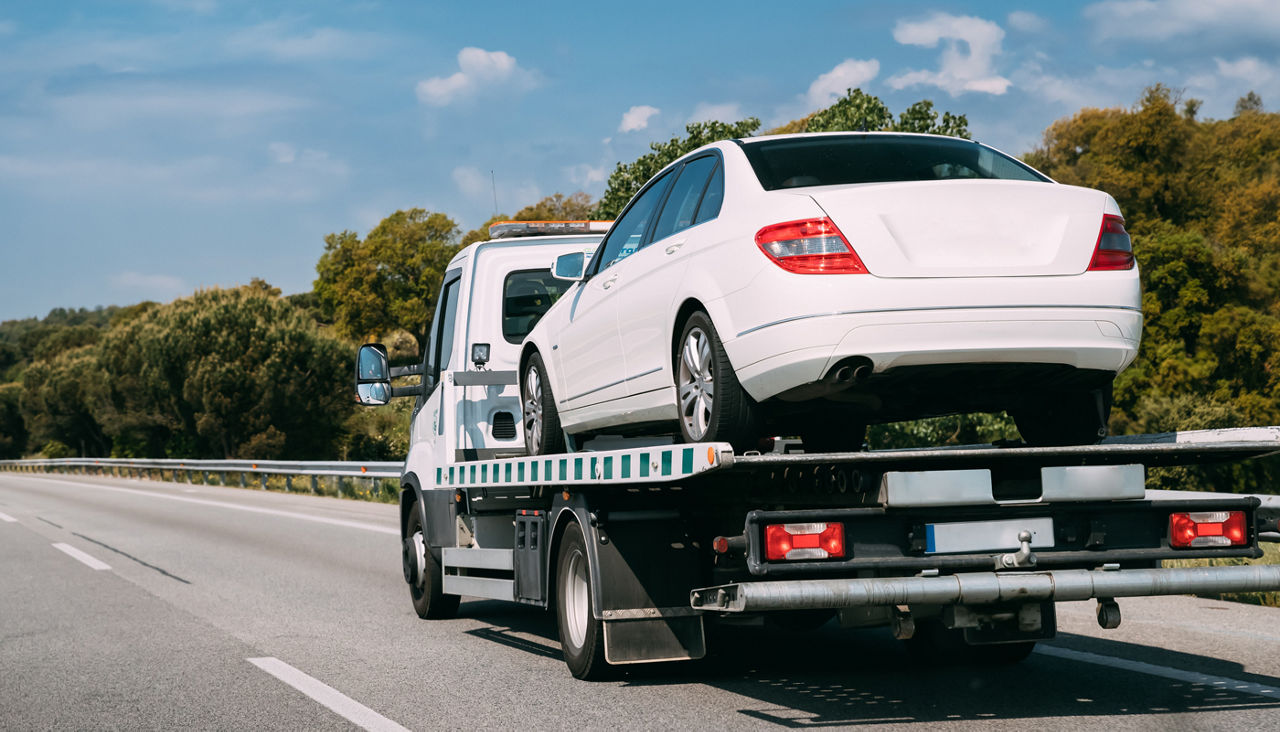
(777, 357)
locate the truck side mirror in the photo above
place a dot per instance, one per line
(569, 266)
(373, 375)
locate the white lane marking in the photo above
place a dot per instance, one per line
(8, 519)
(341, 704)
(76, 554)
(235, 506)
(1220, 683)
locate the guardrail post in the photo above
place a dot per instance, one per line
(315, 485)
(288, 483)
(222, 478)
(242, 481)
(264, 480)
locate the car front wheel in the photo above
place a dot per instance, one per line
(542, 435)
(713, 406)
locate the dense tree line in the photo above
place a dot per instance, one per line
(247, 373)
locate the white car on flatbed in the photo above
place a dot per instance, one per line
(812, 284)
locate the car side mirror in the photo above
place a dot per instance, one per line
(373, 375)
(569, 266)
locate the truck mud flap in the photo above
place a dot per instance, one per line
(978, 588)
(676, 637)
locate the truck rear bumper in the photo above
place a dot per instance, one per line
(983, 588)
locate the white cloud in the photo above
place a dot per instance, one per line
(127, 104)
(478, 69)
(149, 286)
(586, 176)
(282, 152)
(276, 39)
(1249, 69)
(707, 112)
(1167, 19)
(472, 182)
(1026, 21)
(1100, 87)
(637, 118)
(848, 74)
(962, 68)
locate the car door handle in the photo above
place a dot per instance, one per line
(609, 282)
(674, 246)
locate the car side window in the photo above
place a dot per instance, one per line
(682, 204)
(709, 208)
(628, 233)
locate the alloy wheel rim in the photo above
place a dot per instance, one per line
(696, 383)
(532, 409)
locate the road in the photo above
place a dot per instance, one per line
(131, 604)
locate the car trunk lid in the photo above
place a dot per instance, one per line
(967, 228)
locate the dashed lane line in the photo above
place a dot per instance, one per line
(8, 519)
(80, 556)
(1191, 677)
(235, 506)
(339, 703)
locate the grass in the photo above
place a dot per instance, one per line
(1271, 556)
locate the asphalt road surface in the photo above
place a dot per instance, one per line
(131, 604)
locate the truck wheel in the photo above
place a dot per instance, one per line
(542, 435)
(713, 406)
(423, 573)
(1070, 418)
(581, 635)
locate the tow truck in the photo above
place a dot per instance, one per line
(637, 544)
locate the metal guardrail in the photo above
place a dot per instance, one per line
(262, 469)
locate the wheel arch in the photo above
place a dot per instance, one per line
(687, 308)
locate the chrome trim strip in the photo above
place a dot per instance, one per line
(614, 383)
(949, 307)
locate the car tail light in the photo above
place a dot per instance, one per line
(1114, 249)
(812, 246)
(1208, 528)
(804, 541)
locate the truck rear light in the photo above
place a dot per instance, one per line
(1114, 249)
(1207, 528)
(804, 541)
(811, 246)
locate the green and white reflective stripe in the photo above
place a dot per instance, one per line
(636, 465)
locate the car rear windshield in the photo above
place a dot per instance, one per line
(526, 297)
(840, 159)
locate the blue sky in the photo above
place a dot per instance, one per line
(149, 148)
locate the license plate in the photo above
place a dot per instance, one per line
(979, 536)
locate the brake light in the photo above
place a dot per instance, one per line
(804, 541)
(812, 246)
(1114, 249)
(1207, 528)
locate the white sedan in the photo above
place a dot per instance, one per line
(814, 284)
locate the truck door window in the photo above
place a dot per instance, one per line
(526, 297)
(442, 326)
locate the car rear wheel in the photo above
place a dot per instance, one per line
(713, 406)
(542, 434)
(1066, 418)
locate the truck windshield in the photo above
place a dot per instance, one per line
(840, 159)
(526, 296)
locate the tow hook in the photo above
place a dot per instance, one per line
(1021, 559)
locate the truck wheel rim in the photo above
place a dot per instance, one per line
(533, 408)
(696, 383)
(576, 600)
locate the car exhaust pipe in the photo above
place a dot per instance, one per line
(850, 372)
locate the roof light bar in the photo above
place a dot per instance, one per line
(513, 229)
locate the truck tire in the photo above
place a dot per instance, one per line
(424, 575)
(712, 404)
(581, 634)
(1065, 418)
(542, 434)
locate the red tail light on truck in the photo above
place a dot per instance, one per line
(1209, 528)
(804, 541)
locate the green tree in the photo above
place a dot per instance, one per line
(1250, 102)
(390, 279)
(627, 178)
(57, 402)
(859, 111)
(224, 373)
(13, 429)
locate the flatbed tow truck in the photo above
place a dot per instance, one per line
(637, 545)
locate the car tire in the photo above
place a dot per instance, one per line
(713, 407)
(581, 634)
(425, 576)
(1066, 418)
(541, 420)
